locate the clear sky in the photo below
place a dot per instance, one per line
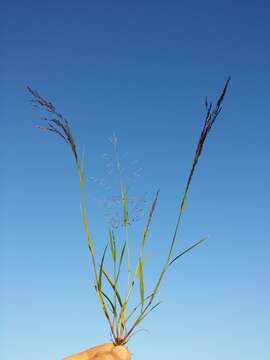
(140, 70)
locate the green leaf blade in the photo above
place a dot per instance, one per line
(188, 249)
(140, 270)
(101, 268)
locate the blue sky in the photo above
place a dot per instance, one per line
(140, 70)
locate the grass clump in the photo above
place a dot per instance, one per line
(115, 304)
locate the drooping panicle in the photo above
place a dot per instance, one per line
(56, 123)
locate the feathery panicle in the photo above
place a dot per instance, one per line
(56, 122)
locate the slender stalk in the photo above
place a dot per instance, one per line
(143, 240)
(123, 193)
(210, 118)
(90, 245)
(59, 125)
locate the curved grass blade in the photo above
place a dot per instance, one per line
(101, 268)
(89, 242)
(120, 261)
(150, 215)
(104, 308)
(110, 302)
(141, 282)
(139, 320)
(136, 307)
(110, 281)
(136, 274)
(112, 246)
(144, 236)
(121, 317)
(187, 250)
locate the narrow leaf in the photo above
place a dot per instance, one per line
(90, 245)
(141, 281)
(81, 172)
(188, 249)
(143, 260)
(110, 281)
(112, 246)
(136, 307)
(121, 314)
(152, 209)
(121, 260)
(99, 294)
(110, 302)
(101, 268)
(140, 319)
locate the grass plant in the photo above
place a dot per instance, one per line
(114, 304)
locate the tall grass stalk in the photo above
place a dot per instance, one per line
(115, 304)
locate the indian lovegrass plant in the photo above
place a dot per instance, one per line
(115, 303)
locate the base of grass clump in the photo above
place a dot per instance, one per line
(102, 352)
